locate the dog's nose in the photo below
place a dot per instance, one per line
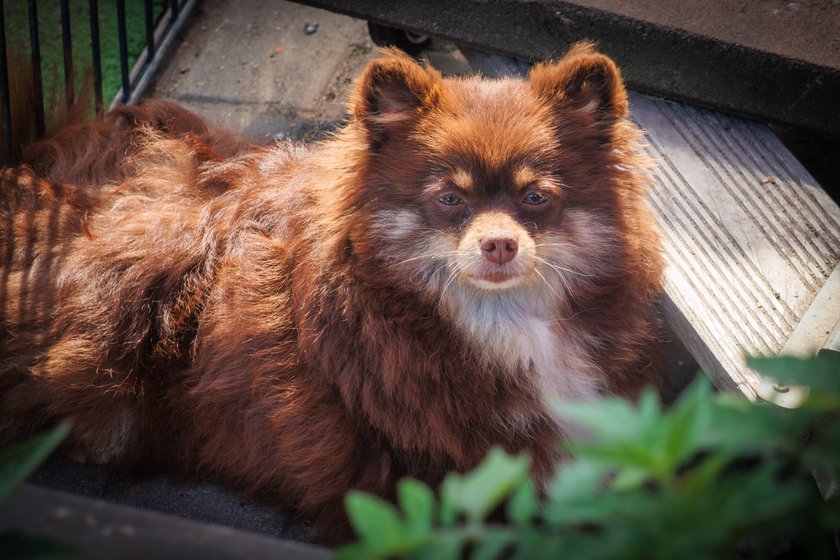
(499, 248)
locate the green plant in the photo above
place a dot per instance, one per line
(713, 477)
(17, 462)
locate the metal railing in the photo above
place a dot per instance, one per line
(135, 80)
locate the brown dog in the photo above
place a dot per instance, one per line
(300, 321)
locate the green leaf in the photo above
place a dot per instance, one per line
(582, 479)
(492, 545)
(658, 444)
(759, 496)
(18, 461)
(630, 478)
(375, 521)
(489, 484)
(634, 463)
(739, 427)
(685, 425)
(418, 503)
(574, 493)
(649, 406)
(19, 546)
(610, 419)
(819, 372)
(523, 504)
(533, 544)
(446, 546)
(356, 551)
(705, 475)
(449, 492)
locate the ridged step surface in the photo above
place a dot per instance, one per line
(750, 237)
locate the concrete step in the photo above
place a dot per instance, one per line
(776, 61)
(102, 531)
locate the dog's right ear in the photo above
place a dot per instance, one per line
(585, 80)
(392, 94)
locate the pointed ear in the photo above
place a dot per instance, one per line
(392, 94)
(584, 79)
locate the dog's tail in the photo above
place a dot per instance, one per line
(77, 146)
(61, 108)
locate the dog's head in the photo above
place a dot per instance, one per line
(496, 186)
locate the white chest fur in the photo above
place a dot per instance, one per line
(516, 330)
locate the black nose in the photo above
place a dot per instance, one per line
(499, 248)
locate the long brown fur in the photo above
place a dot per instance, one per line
(299, 321)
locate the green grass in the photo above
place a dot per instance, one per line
(49, 27)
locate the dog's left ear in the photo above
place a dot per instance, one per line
(392, 94)
(584, 79)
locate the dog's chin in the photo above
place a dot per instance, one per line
(495, 280)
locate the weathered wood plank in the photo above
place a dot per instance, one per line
(751, 239)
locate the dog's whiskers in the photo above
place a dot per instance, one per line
(558, 268)
(560, 275)
(452, 274)
(429, 256)
(550, 287)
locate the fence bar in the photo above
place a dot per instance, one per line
(67, 45)
(126, 80)
(37, 84)
(4, 90)
(150, 30)
(95, 53)
(173, 5)
(168, 30)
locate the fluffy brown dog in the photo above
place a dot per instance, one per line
(300, 321)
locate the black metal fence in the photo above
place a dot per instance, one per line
(160, 33)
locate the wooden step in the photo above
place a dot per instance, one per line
(751, 239)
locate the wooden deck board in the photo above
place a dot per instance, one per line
(750, 237)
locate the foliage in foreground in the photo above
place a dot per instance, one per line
(17, 462)
(713, 477)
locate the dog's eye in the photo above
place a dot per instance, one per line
(450, 200)
(534, 199)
